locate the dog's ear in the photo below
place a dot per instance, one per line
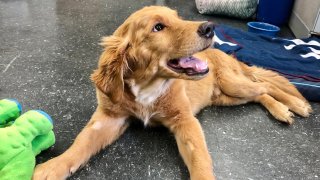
(112, 65)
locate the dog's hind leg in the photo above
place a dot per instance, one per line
(239, 86)
(280, 89)
(277, 109)
(263, 75)
(294, 103)
(101, 131)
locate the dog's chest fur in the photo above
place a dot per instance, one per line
(146, 96)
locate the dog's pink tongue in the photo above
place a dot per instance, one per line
(194, 63)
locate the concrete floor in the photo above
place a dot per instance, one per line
(48, 50)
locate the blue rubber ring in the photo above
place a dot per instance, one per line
(46, 115)
(17, 103)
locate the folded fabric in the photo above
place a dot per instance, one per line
(234, 8)
(297, 59)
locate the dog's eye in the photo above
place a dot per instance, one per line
(158, 27)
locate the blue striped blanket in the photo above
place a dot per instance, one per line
(296, 59)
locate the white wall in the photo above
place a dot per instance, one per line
(303, 17)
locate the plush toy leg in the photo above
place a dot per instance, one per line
(20, 167)
(6, 125)
(10, 109)
(18, 137)
(32, 124)
(43, 142)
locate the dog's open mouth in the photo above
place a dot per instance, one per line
(191, 66)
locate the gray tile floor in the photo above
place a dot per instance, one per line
(48, 50)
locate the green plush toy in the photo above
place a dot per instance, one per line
(22, 138)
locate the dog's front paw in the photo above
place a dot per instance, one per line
(54, 169)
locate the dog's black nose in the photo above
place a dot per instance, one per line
(206, 30)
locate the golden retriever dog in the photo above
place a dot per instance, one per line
(161, 69)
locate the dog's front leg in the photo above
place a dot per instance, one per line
(192, 147)
(101, 131)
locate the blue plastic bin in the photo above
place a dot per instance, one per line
(275, 12)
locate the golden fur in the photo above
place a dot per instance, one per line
(133, 79)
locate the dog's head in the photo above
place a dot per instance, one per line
(153, 41)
